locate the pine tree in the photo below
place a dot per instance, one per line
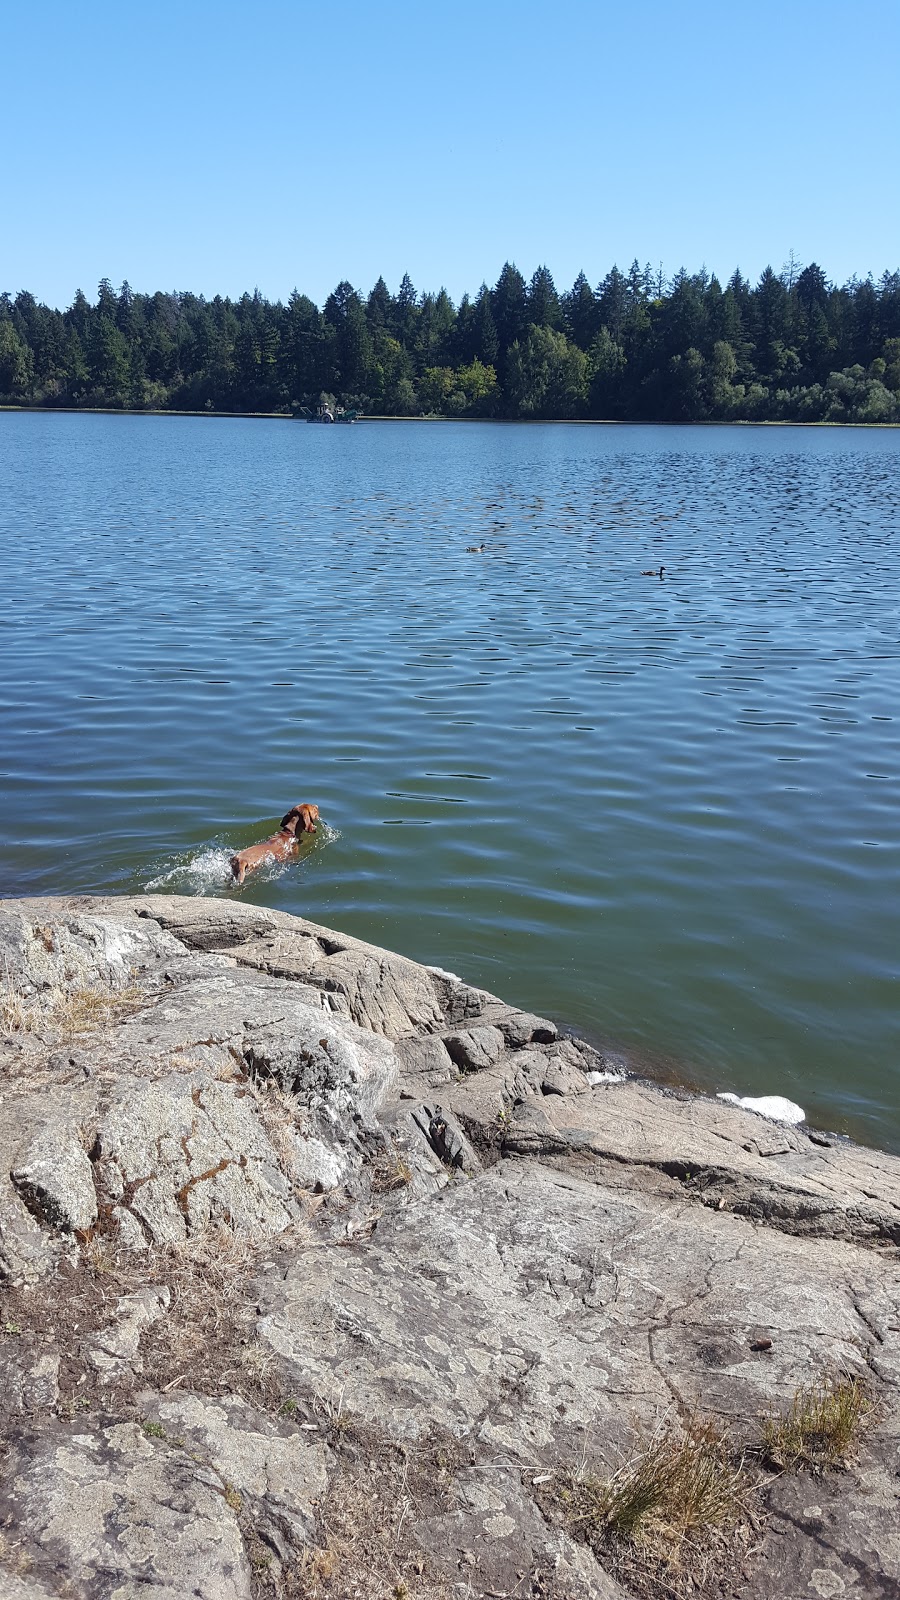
(379, 306)
(612, 300)
(488, 344)
(509, 304)
(544, 309)
(580, 312)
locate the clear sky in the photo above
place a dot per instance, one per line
(221, 147)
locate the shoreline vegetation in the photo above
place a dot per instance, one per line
(577, 422)
(794, 348)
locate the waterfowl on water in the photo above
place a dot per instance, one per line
(653, 572)
(475, 549)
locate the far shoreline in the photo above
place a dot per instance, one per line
(568, 422)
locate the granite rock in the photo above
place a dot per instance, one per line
(318, 1208)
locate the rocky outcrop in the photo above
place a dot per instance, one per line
(320, 1265)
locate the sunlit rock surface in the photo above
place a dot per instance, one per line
(319, 1265)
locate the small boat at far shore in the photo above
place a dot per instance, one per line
(329, 411)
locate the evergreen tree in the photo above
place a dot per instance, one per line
(487, 346)
(15, 362)
(126, 321)
(582, 323)
(889, 306)
(683, 324)
(437, 319)
(612, 300)
(812, 287)
(353, 343)
(302, 367)
(723, 315)
(772, 319)
(509, 304)
(864, 340)
(107, 357)
(405, 311)
(80, 314)
(465, 333)
(638, 283)
(107, 300)
(607, 365)
(543, 301)
(74, 365)
(379, 306)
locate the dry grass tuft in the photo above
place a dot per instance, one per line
(378, 1491)
(67, 1011)
(684, 1485)
(822, 1427)
(330, 1407)
(16, 1016)
(259, 1361)
(390, 1170)
(209, 1312)
(232, 1498)
(282, 1105)
(83, 1010)
(674, 1520)
(101, 1254)
(282, 1114)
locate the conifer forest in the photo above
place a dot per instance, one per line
(637, 347)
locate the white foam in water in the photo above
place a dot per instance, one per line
(594, 1078)
(773, 1106)
(202, 873)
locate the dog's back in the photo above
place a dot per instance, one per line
(279, 846)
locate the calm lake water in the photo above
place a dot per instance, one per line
(666, 812)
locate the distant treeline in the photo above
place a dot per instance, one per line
(637, 347)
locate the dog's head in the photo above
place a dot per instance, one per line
(301, 819)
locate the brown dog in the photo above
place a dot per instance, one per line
(280, 846)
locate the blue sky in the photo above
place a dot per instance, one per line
(219, 147)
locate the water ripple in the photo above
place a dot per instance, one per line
(654, 807)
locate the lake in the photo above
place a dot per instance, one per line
(664, 811)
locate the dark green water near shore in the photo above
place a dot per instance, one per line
(667, 812)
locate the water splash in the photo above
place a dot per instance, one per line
(204, 871)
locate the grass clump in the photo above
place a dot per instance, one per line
(379, 1490)
(67, 1011)
(284, 1117)
(391, 1171)
(683, 1484)
(822, 1427)
(674, 1519)
(16, 1016)
(82, 1010)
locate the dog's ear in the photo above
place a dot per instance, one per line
(309, 815)
(292, 816)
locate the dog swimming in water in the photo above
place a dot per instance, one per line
(280, 846)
